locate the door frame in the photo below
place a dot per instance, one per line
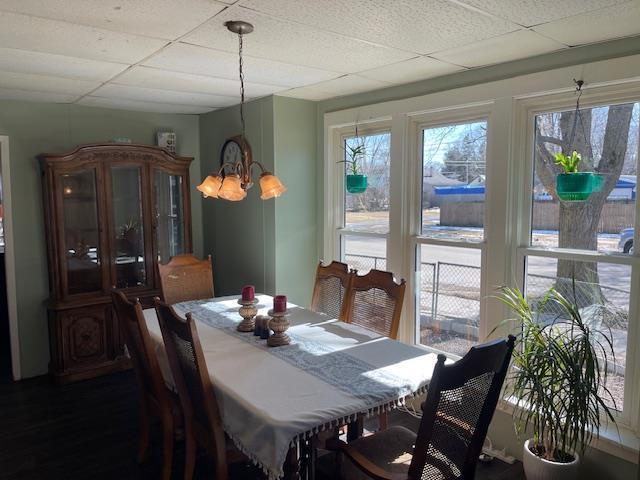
(9, 257)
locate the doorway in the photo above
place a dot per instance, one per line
(9, 346)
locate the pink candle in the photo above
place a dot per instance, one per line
(248, 293)
(279, 303)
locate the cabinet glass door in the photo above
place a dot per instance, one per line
(81, 232)
(128, 227)
(169, 213)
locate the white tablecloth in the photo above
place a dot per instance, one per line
(268, 400)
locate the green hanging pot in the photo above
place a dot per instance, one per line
(356, 183)
(597, 181)
(576, 187)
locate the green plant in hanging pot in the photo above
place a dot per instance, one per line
(572, 185)
(558, 381)
(356, 181)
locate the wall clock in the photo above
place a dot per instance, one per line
(236, 151)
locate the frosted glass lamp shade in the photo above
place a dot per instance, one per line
(271, 186)
(231, 189)
(210, 186)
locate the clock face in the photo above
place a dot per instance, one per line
(231, 152)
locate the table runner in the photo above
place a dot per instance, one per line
(270, 397)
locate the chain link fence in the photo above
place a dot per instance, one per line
(364, 263)
(450, 295)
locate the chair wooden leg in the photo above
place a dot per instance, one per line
(167, 446)
(383, 421)
(145, 425)
(189, 454)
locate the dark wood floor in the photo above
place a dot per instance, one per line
(89, 431)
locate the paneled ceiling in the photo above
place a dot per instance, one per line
(177, 56)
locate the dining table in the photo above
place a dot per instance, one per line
(275, 401)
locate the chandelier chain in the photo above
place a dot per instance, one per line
(241, 65)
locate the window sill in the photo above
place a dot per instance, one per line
(621, 442)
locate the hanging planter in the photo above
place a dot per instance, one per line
(356, 183)
(572, 185)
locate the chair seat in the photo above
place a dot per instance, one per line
(389, 449)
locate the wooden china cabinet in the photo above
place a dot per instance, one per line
(112, 212)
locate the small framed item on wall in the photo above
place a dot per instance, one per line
(167, 140)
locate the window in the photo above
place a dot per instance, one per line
(472, 205)
(571, 243)
(607, 138)
(365, 214)
(453, 181)
(452, 211)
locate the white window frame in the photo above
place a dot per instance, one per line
(527, 109)
(435, 119)
(339, 228)
(507, 153)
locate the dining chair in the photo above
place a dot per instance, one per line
(374, 301)
(460, 403)
(155, 397)
(330, 288)
(186, 277)
(202, 420)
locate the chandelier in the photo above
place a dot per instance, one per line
(235, 175)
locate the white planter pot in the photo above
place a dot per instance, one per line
(536, 468)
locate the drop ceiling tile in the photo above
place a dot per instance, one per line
(44, 83)
(420, 26)
(534, 12)
(418, 68)
(136, 106)
(31, 96)
(512, 46)
(307, 93)
(127, 92)
(289, 42)
(52, 36)
(350, 84)
(166, 19)
(186, 82)
(23, 61)
(608, 23)
(181, 57)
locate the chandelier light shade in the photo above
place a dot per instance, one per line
(231, 189)
(271, 186)
(210, 186)
(236, 159)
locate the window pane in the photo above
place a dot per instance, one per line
(368, 210)
(453, 181)
(607, 139)
(364, 253)
(602, 294)
(449, 298)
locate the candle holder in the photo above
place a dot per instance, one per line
(279, 324)
(248, 311)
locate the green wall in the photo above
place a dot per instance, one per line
(296, 225)
(239, 235)
(35, 128)
(271, 244)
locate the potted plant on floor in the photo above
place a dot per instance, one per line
(356, 181)
(558, 381)
(572, 185)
